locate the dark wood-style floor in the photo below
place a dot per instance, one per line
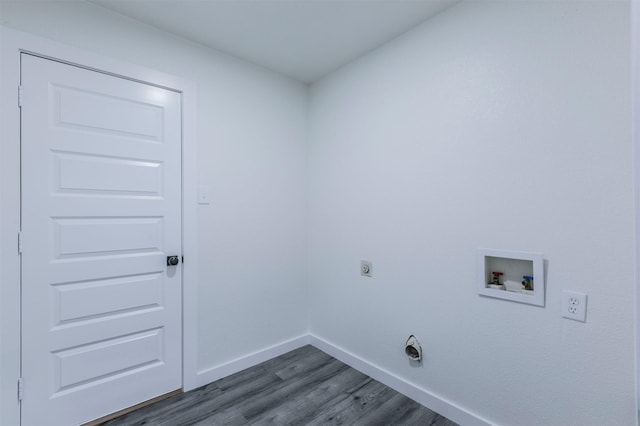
(303, 387)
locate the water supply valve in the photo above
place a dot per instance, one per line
(527, 282)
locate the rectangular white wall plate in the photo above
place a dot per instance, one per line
(511, 267)
(203, 194)
(574, 305)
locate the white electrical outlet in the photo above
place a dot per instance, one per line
(574, 305)
(365, 268)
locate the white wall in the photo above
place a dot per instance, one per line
(251, 147)
(496, 124)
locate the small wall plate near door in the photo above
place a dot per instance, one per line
(203, 194)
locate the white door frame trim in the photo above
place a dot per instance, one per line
(12, 44)
(635, 125)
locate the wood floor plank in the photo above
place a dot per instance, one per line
(360, 400)
(303, 387)
(313, 377)
(386, 411)
(302, 407)
(300, 365)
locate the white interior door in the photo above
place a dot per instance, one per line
(101, 211)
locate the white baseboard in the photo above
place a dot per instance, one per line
(426, 398)
(214, 373)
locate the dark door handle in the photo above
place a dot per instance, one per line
(172, 260)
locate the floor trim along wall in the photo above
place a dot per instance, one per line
(214, 373)
(428, 399)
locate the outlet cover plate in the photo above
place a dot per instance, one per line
(203, 194)
(574, 305)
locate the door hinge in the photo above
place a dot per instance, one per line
(20, 388)
(19, 242)
(20, 96)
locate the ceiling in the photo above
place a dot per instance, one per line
(304, 39)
